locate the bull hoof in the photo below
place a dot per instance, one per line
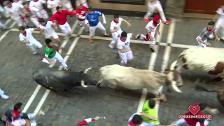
(98, 86)
(185, 66)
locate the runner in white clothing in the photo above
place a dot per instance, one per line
(67, 4)
(124, 50)
(152, 28)
(154, 6)
(49, 32)
(15, 12)
(27, 37)
(83, 2)
(219, 26)
(52, 4)
(115, 29)
(37, 8)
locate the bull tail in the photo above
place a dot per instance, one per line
(82, 81)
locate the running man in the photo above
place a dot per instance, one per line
(51, 54)
(27, 37)
(60, 17)
(154, 6)
(94, 23)
(52, 4)
(15, 12)
(219, 26)
(81, 15)
(49, 32)
(36, 6)
(124, 50)
(115, 29)
(206, 34)
(152, 28)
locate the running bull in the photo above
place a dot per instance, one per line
(209, 60)
(116, 76)
(62, 80)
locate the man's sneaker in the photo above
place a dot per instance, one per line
(67, 69)
(106, 35)
(137, 36)
(3, 96)
(111, 45)
(34, 53)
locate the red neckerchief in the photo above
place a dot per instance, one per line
(209, 30)
(121, 40)
(116, 22)
(24, 33)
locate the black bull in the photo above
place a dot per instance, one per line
(61, 80)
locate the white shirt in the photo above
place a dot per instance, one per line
(114, 25)
(154, 6)
(151, 28)
(84, 3)
(220, 11)
(124, 45)
(36, 6)
(48, 29)
(19, 122)
(29, 37)
(52, 4)
(15, 10)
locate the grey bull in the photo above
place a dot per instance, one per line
(62, 80)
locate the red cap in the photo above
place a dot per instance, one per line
(156, 19)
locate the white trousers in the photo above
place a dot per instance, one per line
(150, 13)
(152, 42)
(18, 20)
(65, 28)
(92, 29)
(84, 24)
(42, 14)
(53, 35)
(115, 37)
(35, 21)
(67, 4)
(34, 46)
(203, 44)
(125, 57)
(60, 59)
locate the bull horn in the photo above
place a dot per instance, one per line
(86, 70)
(83, 84)
(173, 65)
(174, 86)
